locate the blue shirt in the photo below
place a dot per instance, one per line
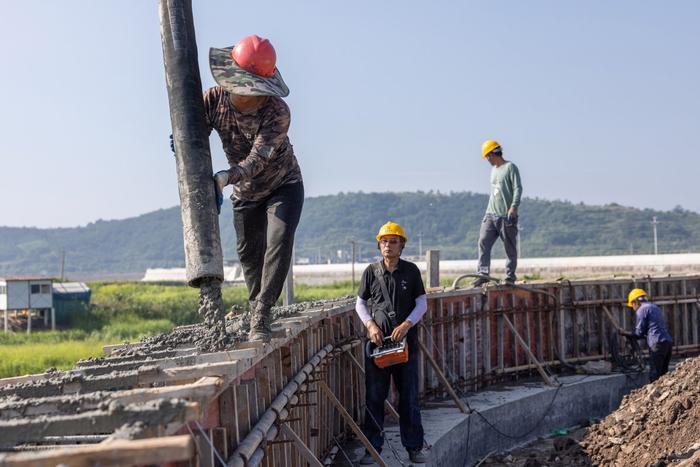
(651, 324)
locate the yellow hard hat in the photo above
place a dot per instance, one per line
(488, 146)
(634, 295)
(391, 228)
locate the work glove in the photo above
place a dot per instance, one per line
(220, 181)
(172, 144)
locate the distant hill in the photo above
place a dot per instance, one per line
(449, 222)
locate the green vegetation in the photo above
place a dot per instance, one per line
(120, 312)
(21, 353)
(305, 292)
(31, 358)
(449, 222)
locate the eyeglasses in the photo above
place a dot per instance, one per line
(389, 241)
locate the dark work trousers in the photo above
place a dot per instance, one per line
(377, 382)
(493, 227)
(265, 240)
(659, 358)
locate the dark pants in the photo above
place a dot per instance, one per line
(265, 241)
(377, 382)
(659, 358)
(493, 227)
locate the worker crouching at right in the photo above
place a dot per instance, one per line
(650, 323)
(395, 288)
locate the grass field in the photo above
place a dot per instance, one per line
(25, 354)
(120, 312)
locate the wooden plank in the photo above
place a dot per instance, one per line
(685, 320)
(528, 323)
(387, 404)
(121, 452)
(533, 359)
(435, 327)
(162, 414)
(463, 340)
(143, 376)
(421, 361)
(486, 333)
(694, 321)
(301, 447)
(265, 396)
(500, 338)
(227, 415)
(514, 350)
(453, 353)
(540, 331)
(474, 333)
(443, 379)
(199, 391)
(219, 437)
(242, 412)
(205, 454)
(102, 369)
(562, 327)
(353, 426)
(440, 328)
(611, 318)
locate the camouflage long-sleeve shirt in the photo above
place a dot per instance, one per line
(256, 144)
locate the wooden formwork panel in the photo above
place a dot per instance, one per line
(476, 336)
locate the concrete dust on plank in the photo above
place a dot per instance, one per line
(209, 335)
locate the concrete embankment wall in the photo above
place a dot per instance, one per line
(521, 414)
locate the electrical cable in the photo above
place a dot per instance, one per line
(506, 435)
(630, 362)
(382, 432)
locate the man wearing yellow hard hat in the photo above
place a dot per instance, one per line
(394, 288)
(501, 218)
(650, 323)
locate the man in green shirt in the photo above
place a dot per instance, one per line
(501, 219)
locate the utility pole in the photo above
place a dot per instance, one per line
(63, 264)
(654, 222)
(420, 244)
(353, 243)
(518, 244)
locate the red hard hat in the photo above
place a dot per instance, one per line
(256, 55)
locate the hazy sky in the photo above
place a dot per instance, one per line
(596, 101)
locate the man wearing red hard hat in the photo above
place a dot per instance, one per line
(247, 111)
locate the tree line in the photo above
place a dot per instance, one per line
(446, 221)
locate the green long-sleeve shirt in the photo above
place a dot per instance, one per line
(506, 189)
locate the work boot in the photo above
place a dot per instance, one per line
(508, 281)
(260, 330)
(417, 456)
(481, 280)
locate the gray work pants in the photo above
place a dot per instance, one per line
(265, 241)
(493, 227)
